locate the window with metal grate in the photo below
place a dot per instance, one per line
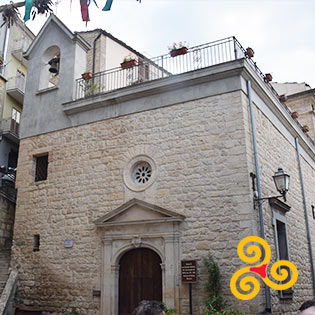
(36, 243)
(41, 168)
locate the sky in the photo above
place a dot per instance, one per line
(281, 32)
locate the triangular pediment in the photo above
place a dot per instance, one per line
(137, 211)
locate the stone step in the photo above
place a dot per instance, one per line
(5, 256)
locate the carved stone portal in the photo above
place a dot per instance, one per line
(133, 225)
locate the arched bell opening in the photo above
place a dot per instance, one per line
(50, 68)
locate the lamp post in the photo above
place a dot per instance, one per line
(282, 181)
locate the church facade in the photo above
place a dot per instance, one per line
(116, 189)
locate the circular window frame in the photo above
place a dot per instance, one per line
(129, 170)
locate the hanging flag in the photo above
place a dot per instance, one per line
(84, 10)
(28, 8)
(108, 5)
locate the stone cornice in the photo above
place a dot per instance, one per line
(272, 105)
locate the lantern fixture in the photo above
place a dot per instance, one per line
(282, 181)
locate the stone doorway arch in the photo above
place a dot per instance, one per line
(138, 224)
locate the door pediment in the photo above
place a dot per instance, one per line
(137, 211)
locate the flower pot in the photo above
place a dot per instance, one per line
(128, 64)
(305, 128)
(294, 115)
(268, 77)
(283, 98)
(86, 75)
(249, 52)
(179, 51)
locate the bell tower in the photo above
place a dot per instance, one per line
(57, 57)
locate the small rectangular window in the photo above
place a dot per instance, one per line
(41, 168)
(36, 243)
(282, 249)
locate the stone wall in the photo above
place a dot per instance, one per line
(204, 154)
(7, 212)
(274, 151)
(200, 152)
(90, 37)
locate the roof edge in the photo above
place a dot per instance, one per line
(72, 36)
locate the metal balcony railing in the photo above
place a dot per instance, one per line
(11, 125)
(164, 66)
(160, 67)
(17, 82)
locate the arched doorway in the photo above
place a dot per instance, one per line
(140, 278)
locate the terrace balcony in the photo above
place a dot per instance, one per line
(20, 47)
(10, 129)
(207, 56)
(16, 88)
(198, 57)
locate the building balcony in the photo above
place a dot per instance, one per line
(10, 128)
(18, 49)
(16, 88)
(169, 65)
(164, 66)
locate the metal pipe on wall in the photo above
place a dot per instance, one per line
(94, 51)
(261, 215)
(305, 212)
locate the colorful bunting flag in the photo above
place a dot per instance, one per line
(84, 10)
(108, 5)
(28, 8)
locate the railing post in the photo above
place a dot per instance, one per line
(162, 65)
(235, 50)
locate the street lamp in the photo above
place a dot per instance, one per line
(282, 181)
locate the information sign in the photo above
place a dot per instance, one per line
(189, 271)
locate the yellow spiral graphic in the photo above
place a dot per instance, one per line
(248, 284)
(253, 249)
(284, 275)
(281, 270)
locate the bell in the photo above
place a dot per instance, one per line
(54, 65)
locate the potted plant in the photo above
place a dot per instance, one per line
(1, 61)
(87, 75)
(90, 88)
(268, 77)
(128, 62)
(178, 49)
(294, 115)
(305, 128)
(249, 52)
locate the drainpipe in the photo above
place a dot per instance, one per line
(305, 212)
(261, 215)
(94, 50)
(5, 48)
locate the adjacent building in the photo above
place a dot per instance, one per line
(300, 98)
(118, 186)
(13, 42)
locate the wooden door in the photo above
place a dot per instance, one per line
(140, 278)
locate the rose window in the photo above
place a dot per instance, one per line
(142, 173)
